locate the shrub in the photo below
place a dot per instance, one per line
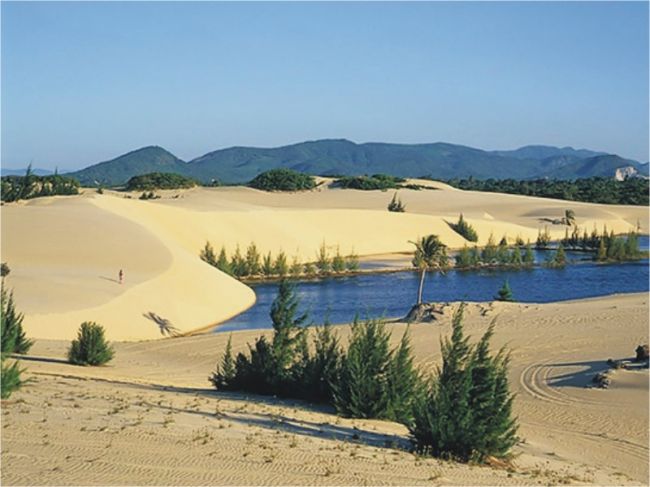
(253, 260)
(207, 254)
(505, 293)
(396, 205)
(368, 183)
(543, 239)
(361, 391)
(14, 339)
(323, 262)
(90, 347)
(466, 411)
(224, 377)
(465, 229)
(283, 180)
(4, 269)
(29, 186)
(268, 269)
(338, 262)
(159, 180)
(281, 267)
(352, 262)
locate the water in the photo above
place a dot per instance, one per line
(392, 295)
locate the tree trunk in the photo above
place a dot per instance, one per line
(421, 288)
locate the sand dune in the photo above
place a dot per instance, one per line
(151, 417)
(65, 252)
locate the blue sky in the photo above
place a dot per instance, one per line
(84, 82)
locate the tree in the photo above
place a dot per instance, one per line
(323, 262)
(559, 259)
(396, 205)
(224, 377)
(281, 267)
(529, 257)
(403, 383)
(253, 260)
(505, 293)
(296, 267)
(352, 262)
(90, 347)
(14, 339)
(570, 217)
(543, 238)
(466, 412)
(324, 367)
(503, 256)
(338, 262)
(208, 255)
(222, 262)
(238, 264)
(489, 253)
(361, 390)
(465, 229)
(464, 258)
(4, 269)
(268, 268)
(516, 258)
(282, 179)
(429, 253)
(601, 255)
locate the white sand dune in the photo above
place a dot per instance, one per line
(65, 252)
(151, 417)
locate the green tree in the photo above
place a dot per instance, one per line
(429, 253)
(570, 217)
(310, 269)
(396, 205)
(323, 262)
(403, 383)
(4, 269)
(238, 264)
(14, 339)
(505, 293)
(253, 260)
(352, 262)
(543, 238)
(464, 258)
(224, 377)
(268, 269)
(516, 258)
(222, 262)
(465, 229)
(90, 347)
(503, 255)
(361, 391)
(296, 267)
(281, 267)
(324, 367)
(601, 255)
(338, 262)
(489, 253)
(529, 257)
(208, 255)
(559, 259)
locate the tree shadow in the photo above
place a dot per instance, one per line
(581, 378)
(165, 326)
(32, 358)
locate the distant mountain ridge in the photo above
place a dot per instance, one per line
(439, 160)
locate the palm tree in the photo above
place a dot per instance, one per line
(570, 217)
(430, 252)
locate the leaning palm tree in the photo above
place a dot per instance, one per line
(430, 253)
(569, 217)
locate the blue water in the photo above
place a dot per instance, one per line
(392, 295)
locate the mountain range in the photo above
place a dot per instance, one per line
(342, 157)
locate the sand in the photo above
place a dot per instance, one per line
(150, 417)
(65, 252)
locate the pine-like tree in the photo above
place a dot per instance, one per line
(310, 269)
(296, 267)
(14, 339)
(503, 255)
(222, 262)
(223, 378)
(323, 262)
(207, 254)
(253, 260)
(505, 293)
(238, 264)
(90, 347)
(361, 391)
(559, 259)
(352, 262)
(281, 268)
(268, 269)
(403, 383)
(338, 262)
(529, 256)
(516, 258)
(489, 253)
(601, 255)
(325, 365)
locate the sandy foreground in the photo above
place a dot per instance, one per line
(151, 416)
(65, 252)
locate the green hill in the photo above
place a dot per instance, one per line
(343, 157)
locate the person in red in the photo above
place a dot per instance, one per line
(121, 276)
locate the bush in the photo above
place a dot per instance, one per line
(505, 293)
(11, 378)
(396, 205)
(283, 180)
(90, 347)
(159, 180)
(14, 339)
(368, 183)
(4, 269)
(466, 411)
(13, 188)
(465, 229)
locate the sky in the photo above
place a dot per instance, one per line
(83, 82)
